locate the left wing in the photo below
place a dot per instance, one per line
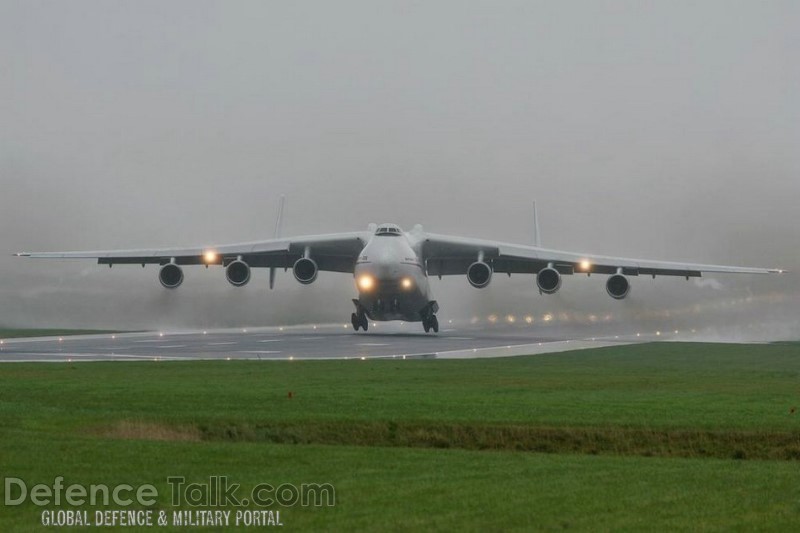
(335, 252)
(446, 255)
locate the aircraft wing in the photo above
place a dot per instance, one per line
(445, 255)
(336, 252)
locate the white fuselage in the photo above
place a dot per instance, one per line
(391, 279)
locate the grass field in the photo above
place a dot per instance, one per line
(655, 436)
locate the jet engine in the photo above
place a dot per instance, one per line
(305, 270)
(170, 276)
(238, 273)
(548, 280)
(479, 274)
(618, 286)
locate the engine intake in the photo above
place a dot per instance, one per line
(170, 276)
(238, 273)
(548, 280)
(305, 270)
(618, 286)
(479, 274)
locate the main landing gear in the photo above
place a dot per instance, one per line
(359, 321)
(428, 315)
(431, 323)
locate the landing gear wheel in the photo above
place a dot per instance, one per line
(354, 320)
(427, 325)
(435, 324)
(364, 322)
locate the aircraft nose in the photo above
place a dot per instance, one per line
(386, 266)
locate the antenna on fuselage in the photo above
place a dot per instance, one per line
(277, 235)
(537, 238)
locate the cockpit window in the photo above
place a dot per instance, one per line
(392, 231)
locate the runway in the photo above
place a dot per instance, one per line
(331, 341)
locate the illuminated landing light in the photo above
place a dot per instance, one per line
(280, 328)
(160, 334)
(344, 326)
(210, 256)
(658, 333)
(366, 283)
(363, 358)
(205, 333)
(227, 358)
(374, 325)
(492, 318)
(511, 319)
(315, 327)
(244, 331)
(676, 332)
(548, 317)
(2, 342)
(529, 319)
(585, 265)
(60, 339)
(638, 334)
(449, 321)
(406, 283)
(291, 358)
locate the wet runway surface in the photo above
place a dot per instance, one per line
(385, 340)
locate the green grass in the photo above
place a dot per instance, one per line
(11, 333)
(638, 437)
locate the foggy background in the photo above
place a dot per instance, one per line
(665, 130)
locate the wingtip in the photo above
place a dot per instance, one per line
(22, 254)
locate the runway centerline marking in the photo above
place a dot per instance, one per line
(221, 343)
(173, 346)
(372, 344)
(272, 340)
(259, 351)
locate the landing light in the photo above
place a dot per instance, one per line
(366, 283)
(210, 256)
(585, 265)
(406, 283)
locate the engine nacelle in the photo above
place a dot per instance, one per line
(305, 270)
(479, 274)
(548, 280)
(238, 273)
(618, 286)
(170, 276)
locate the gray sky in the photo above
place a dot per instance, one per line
(663, 130)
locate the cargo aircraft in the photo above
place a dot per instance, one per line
(391, 267)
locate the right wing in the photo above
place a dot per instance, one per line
(446, 255)
(336, 252)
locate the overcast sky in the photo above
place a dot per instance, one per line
(662, 130)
